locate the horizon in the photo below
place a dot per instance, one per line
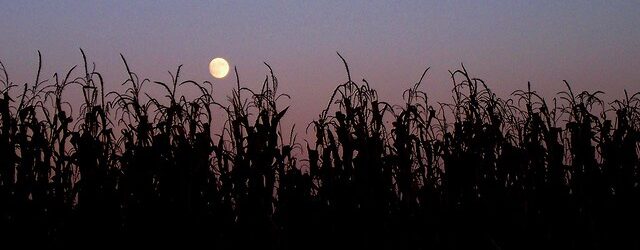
(593, 46)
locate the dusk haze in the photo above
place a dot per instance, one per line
(320, 124)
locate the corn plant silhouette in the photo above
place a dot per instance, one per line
(480, 171)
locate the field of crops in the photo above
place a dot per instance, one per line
(479, 172)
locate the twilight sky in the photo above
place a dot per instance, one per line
(592, 44)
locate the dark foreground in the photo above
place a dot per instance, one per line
(480, 172)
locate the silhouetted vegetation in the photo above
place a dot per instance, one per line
(480, 172)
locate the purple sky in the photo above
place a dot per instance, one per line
(593, 45)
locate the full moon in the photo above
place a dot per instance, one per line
(218, 67)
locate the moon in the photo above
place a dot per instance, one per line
(219, 67)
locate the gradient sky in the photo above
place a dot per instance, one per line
(592, 44)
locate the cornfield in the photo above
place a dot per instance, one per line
(478, 172)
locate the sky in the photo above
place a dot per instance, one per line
(595, 45)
